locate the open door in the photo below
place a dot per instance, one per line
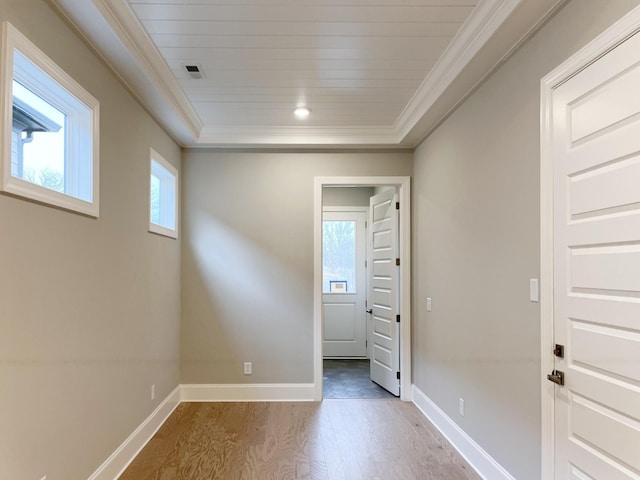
(384, 285)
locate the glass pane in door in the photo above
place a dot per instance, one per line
(339, 256)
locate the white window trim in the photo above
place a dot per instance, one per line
(12, 40)
(153, 227)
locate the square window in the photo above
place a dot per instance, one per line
(50, 130)
(163, 197)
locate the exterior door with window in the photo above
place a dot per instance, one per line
(344, 284)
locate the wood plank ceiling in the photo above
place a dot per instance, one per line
(352, 62)
(375, 73)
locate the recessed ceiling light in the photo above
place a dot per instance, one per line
(301, 112)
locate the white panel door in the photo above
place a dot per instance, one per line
(383, 281)
(344, 284)
(596, 156)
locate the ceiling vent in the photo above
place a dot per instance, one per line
(194, 71)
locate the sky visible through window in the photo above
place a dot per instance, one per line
(155, 199)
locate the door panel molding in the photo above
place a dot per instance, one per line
(383, 285)
(403, 183)
(601, 45)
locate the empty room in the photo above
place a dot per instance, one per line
(320, 239)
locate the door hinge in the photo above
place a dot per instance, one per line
(397, 205)
(397, 262)
(365, 264)
(398, 318)
(398, 375)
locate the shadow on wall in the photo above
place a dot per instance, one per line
(248, 306)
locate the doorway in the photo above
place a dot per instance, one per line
(345, 293)
(343, 367)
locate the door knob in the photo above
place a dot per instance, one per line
(370, 310)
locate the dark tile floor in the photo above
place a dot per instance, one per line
(350, 379)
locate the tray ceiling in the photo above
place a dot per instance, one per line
(377, 73)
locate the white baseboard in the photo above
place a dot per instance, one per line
(120, 459)
(473, 453)
(113, 467)
(286, 392)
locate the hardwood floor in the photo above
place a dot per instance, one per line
(334, 440)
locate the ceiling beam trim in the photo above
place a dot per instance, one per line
(486, 18)
(339, 137)
(125, 25)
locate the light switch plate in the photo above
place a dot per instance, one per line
(428, 304)
(534, 295)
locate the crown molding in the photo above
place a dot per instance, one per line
(124, 23)
(483, 22)
(257, 136)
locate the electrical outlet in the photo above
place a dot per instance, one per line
(153, 392)
(248, 368)
(461, 406)
(428, 304)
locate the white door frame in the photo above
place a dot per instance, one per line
(616, 34)
(404, 195)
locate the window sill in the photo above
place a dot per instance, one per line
(162, 231)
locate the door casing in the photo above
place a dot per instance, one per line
(403, 184)
(613, 36)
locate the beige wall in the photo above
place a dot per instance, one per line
(346, 196)
(247, 280)
(476, 245)
(89, 308)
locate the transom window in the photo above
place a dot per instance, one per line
(50, 127)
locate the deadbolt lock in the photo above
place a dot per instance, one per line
(558, 351)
